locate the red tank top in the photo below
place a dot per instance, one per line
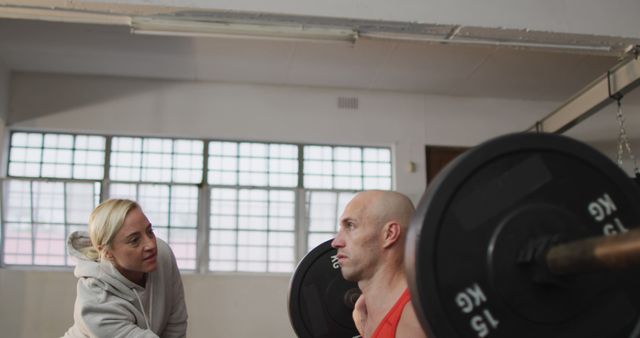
(388, 325)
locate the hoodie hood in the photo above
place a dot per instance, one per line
(158, 309)
(105, 275)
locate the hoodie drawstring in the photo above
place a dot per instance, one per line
(150, 300)
(142, 308)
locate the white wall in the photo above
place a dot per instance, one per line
(229, 305)
(4, 100)
(266, 113)
(610, 150)
(39, 304)
(4, 91)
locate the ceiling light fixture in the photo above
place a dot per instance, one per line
(150, 26)
(58, 15)
(174, 27)
(274, 30)
(453, 39)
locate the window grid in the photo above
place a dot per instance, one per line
(253, 242)
(253, 164)
(323, 209)
(138, 159)
(56, 155)
(252, 229)
(139, 167)
(346, 168)
(259, 234)
(160, 204)
(39, 216)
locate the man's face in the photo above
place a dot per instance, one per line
(357, 241)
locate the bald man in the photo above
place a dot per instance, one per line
(370, 243)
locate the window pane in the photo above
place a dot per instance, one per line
(183, 244)
(184, 207)
(253, 164)
(316, 239)
(252, 197)
(156, 160)
(349, 168)
(56, 155)
(173, 211)
(323, 210)
(39, 216)
(17, 204)
(252, 230)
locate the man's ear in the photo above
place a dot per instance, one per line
(391, 233)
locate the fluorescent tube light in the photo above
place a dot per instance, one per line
(58, 15)
(484, 42)
(149, 26)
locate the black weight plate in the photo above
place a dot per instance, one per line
(320, 299)
(476, 219)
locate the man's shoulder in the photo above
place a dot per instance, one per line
(409, 326)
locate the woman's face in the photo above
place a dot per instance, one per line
(134, 251)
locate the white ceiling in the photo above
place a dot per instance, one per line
(430, 68)
(368, 64)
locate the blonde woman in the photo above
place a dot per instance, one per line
(128, 281)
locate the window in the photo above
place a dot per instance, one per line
(39, 215)
(354, 168)
(56, 155)
(59, 187)
(344, 170)
(253, 164)
(173, 212)
(171, 207)
(252, 230)
(252, 211)
(221, 205)
(323, 213)
(156, 160)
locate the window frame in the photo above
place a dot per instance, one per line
(301, 219)
(66, 224)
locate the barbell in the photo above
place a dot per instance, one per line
(525, 235)
(320, 299)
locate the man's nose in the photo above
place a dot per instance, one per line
(337, 242)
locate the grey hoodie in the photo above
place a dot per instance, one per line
(109, 305)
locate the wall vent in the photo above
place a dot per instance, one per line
(347, 102)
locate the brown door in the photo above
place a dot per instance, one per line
(438, 157)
